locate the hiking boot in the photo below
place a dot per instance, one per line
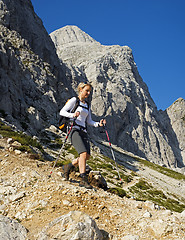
(67, 169)
(84, 181)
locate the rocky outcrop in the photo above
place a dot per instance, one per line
(74, 225)
(119, 95)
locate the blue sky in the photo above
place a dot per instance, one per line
(153, 29)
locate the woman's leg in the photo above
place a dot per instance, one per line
(82, 168)
(82, 146)
(82, 161)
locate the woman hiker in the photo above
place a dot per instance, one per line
(78, 135)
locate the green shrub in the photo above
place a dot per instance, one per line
(126, 178)
(118, 191)
(25, 140)
(142, 191)
(142, 185)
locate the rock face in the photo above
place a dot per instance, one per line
(20, 17)
(30, 71)
(174, 124)
(119, 95)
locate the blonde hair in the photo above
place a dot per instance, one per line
(82, 85)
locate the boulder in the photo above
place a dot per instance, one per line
(74, 225)
(11, 229)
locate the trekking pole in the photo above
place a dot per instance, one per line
(61, 148)
(112, 152)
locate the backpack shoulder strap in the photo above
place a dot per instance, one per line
(87, 104)
(76, 104)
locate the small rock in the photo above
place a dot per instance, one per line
(2, 207)
(132, 197)
(24, 174)
(157, 207)
(147, 214)
(16, 197)
(16, 144)
(167, 212)
(20, 215)
(9, 140)
(96, 179)
(10, 149)
(17, 152)
(35, 174)
(159, 228)
(183, 214)
(96, 216)
(60, 174)
(35, 138)
(66, 202)
(65, 191)
(150, 205)
(43, 203)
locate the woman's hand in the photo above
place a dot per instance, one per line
(76, 114)
(102, 122)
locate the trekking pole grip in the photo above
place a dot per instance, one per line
(102, 128)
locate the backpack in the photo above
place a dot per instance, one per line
(64, 121)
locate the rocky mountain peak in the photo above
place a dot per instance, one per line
(180, 103)
(69, 35)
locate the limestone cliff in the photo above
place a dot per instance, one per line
(30, 71)
(173, 120)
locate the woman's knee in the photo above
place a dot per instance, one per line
(85, 155)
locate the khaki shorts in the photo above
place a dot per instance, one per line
(80, 141)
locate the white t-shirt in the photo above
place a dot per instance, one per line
(85, 113)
